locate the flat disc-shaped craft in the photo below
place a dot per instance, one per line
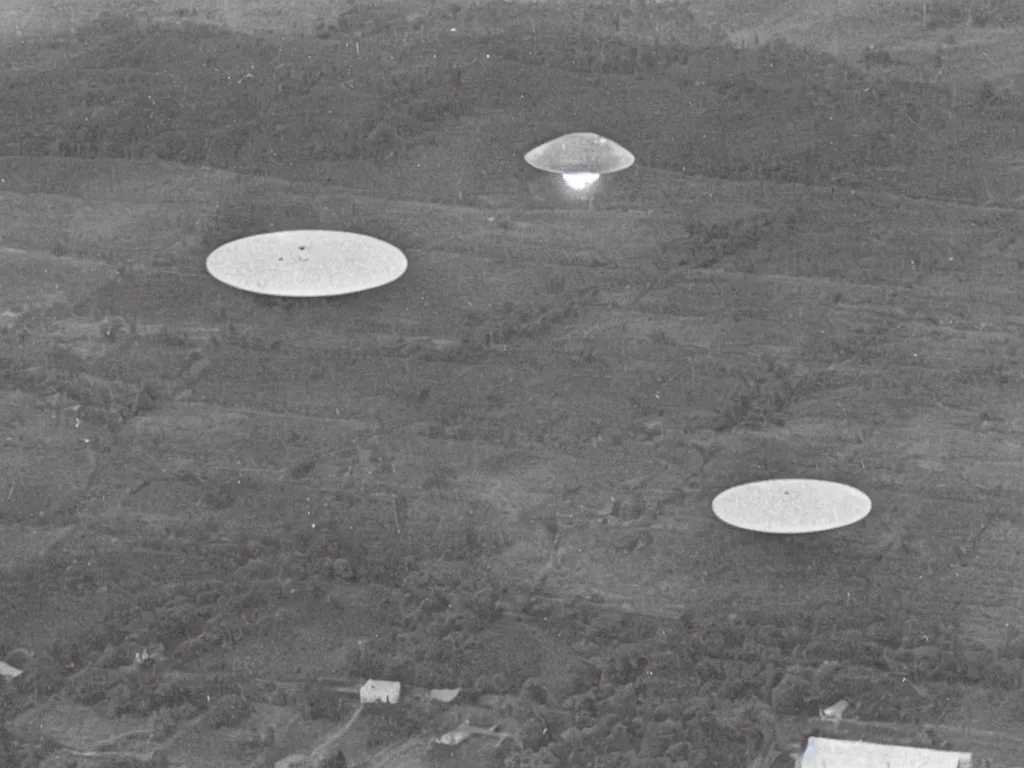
(791, 506)
(307, 263)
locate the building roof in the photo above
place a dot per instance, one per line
(380, 691)
(838, 753)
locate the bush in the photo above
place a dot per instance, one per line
(1007, 674)
(942, 14)
(176, 621)
(337, 760)
(167, 719)
(790, 696)
(178, 691)
(534, 690)
(1014, 705)
(321, 703)
(877, 56)
(90, 685)
(228, 711)
(43, 676)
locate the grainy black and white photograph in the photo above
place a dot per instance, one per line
(511, 384)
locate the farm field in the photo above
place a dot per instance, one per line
(221, 513)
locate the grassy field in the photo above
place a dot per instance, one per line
(496, 473)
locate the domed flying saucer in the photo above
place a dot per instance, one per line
(580, 153)
(306, 263)
(791, 506)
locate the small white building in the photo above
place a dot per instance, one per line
(837, 753)
(380, 692)
(9, 672)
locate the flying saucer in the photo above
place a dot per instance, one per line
(580, 159)
(306, 263)
(791, 506)
(580, 153)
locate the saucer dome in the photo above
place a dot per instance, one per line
(580, 153)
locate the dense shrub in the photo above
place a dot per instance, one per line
(43, 676)
(321, 703)
(180, 690)
(90, 685)
(1014, 705)
(790, 696)
(228, 711)
(167, 719)
(176, 621)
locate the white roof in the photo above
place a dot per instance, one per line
(445, 695)
(837, 753)
(6, 670)
(380, 691)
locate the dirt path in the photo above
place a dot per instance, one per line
(331, 743)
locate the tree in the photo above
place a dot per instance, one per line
(790, 696)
